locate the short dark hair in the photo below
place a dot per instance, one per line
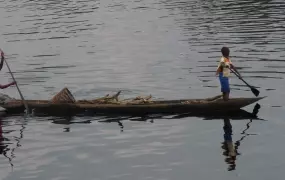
(225, 51)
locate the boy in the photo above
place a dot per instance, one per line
(223, 71)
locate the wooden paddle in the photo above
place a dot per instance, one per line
(253, 90)
(25, 103)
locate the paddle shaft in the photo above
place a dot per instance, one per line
(253, 90)
(25, 103)
(241, 78)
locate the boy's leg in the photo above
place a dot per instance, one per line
(225, 96)
(225, 87)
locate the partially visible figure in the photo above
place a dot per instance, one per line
(223, 71)
(1, 66)
(4, 99)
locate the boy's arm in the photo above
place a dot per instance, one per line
(217, 71)
(220, 67)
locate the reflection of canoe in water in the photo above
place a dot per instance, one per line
(111, 118)
(238, 114)
(209, 105)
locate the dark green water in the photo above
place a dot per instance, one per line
(169, 49)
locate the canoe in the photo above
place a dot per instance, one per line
(208, 105)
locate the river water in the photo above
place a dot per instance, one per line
(168, 49)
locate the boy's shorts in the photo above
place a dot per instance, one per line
(224, 81)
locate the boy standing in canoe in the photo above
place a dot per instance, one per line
(223, 71)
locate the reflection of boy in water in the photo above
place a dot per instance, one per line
(230, 151)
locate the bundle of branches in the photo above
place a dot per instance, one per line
(138, 100)
(202, 101)
(114, 99)
(103, 100)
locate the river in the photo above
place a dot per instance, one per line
(169, 49)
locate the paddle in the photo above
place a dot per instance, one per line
(25, 103)
(253, 90)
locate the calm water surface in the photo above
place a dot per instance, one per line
(165, 48)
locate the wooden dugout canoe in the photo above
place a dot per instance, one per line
(198, 106)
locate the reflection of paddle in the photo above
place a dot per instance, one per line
(253, 90)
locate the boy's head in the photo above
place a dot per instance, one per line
(225, 51)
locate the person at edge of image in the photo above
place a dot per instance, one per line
(1, 66)
(223, 71)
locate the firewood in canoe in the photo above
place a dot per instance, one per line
(191, 102)
(112, 98)
(214, 98)
(107, 99)
(147, 99)
(130, 99)
(140, 100)
(137, 98)
(84, 101)
(101, 98)
(116, 96)
(92, 101)
(203, 101)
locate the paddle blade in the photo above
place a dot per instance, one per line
(254, 91)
